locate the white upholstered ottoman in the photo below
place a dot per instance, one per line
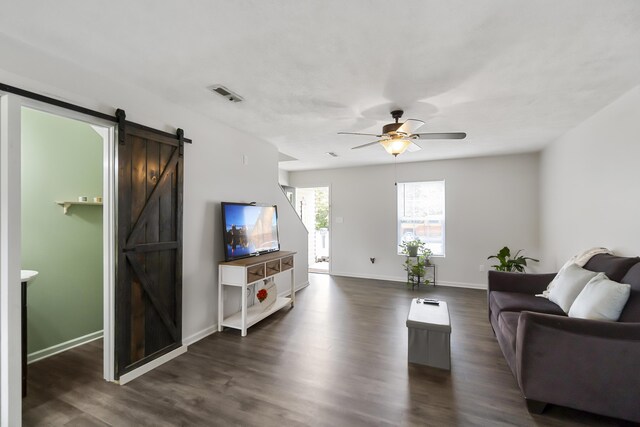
(429, 334)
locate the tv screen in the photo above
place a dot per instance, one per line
(249, 229)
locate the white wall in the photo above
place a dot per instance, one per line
(293, 236)
(590, 185)
(214, 171)
(283, 177)
(490, 202)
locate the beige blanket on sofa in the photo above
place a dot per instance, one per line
(580, 260)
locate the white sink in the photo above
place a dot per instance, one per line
(27, 276)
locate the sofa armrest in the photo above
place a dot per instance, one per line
(584, 364)
(519, 282)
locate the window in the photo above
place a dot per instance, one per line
(421, 214)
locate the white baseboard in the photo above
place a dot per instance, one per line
(404, 279)
(368, 276)
(299, 287)
(193, 338)
(463, 285)
(59, 348)
(302, 286)
(129, 376)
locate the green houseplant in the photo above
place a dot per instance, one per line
(414, 247)
(507, 263)
(415, 268)
(416, 271)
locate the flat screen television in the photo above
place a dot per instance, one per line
(249, 229)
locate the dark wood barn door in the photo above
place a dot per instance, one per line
(149, 273)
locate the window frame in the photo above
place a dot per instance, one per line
(443, 221)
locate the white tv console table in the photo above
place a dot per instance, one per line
(244, 273)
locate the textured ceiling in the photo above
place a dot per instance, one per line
(514, 75)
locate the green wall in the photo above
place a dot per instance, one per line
(61, 160)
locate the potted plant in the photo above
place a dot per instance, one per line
(414, 247)
(416, 269)
(417, 259)
(507, 263)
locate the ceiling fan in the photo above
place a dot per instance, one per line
(397, 137)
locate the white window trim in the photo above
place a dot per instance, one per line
(444, 217)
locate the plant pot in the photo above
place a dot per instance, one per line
(412, 251)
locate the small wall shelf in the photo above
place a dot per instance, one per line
(67, 204)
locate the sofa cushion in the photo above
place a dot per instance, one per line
(615, 267)
(517, 302)
(568, 284)
(601, 299)
(508, 325)
(631, 311)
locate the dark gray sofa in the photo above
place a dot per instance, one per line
(583, 364)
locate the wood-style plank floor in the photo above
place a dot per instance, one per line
(337, 359)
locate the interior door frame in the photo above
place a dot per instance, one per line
(107, 131)
(10, 317)
(10, 256)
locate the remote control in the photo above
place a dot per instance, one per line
(431, 302)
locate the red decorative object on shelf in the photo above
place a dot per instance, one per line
(262, 294)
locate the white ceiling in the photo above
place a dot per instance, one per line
(514, 75)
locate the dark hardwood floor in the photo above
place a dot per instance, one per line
(337, 359)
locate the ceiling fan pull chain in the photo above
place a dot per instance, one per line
(395, 170)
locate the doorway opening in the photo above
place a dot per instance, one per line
(314, 207)
(13, 101)
(65, 234)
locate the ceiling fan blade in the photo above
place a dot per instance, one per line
(356, 133)
(448, 135)
(410, 126)
(365, 145)
(414, 147)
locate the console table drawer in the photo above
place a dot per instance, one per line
(273, 267)
(287, 263)
(255, 272)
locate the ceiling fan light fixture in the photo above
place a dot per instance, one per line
(396, 146)
(398, 137)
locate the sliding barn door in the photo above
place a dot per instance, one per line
(149, 274)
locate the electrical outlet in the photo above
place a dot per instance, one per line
(481, 268)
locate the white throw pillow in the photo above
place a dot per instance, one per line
(567, 285)
(601, 299)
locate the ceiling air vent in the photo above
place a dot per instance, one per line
(223, 91)
(332, 154)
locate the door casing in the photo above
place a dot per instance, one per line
(10, 225)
